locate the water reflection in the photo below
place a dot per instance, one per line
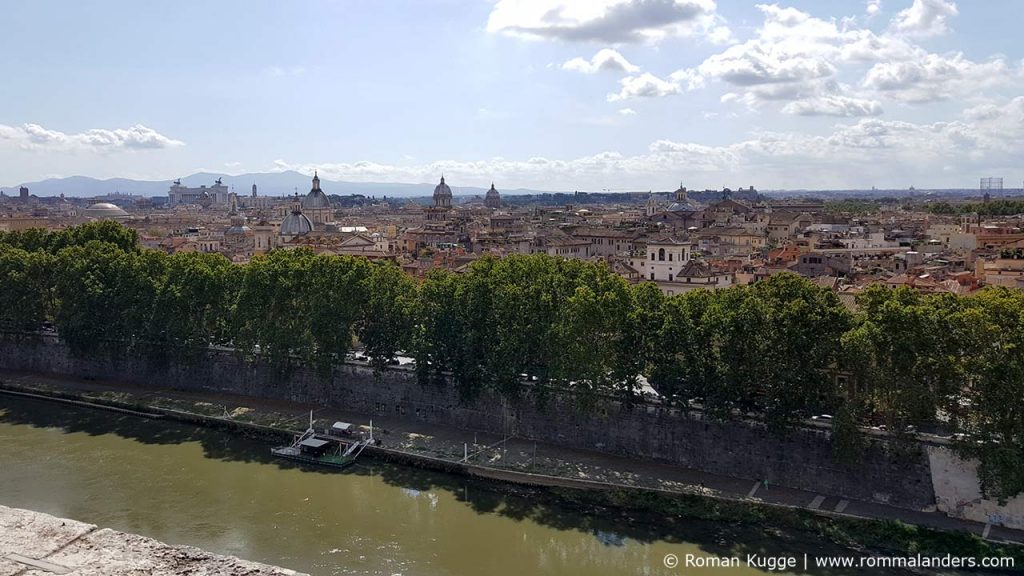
(185, 484)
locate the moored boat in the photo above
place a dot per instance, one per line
(337, 448)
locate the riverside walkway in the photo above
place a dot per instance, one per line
(37, 544)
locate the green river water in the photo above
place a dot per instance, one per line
(187, 485)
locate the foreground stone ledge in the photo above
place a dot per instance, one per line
(37, 544)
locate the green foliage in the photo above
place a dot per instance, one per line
(31, 239)
(192, 304)
(904, 354)
(105, 295)
(27, 293)
(588, 334)
(994, 415)
(385, 327)
(436, 335)
(558, 322)
(1001, 207)
(54, 241)
(640, 347)
(915, 357)
(293, 304)
(759, 348)
(944, 208)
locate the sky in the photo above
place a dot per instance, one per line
(552, 95)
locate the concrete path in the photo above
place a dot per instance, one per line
(37, 544)
(521, 455)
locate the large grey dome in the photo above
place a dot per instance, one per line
(492, 199)
(238, 228)
(105, 210)
(316, 197)
(442, 189)
(296, 224)
(442, 194)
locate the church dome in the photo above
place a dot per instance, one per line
(442, 194)
(442, 189)
(492, 199)
(295, 224)
(105, 210)
(242, 230)
(238, 227)
(316, 197)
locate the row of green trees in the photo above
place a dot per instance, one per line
(1001, 207)
(102, 290)
(781, 349)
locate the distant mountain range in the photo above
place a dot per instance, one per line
(286, 183)
(267, 184)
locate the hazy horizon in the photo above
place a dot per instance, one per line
(282, 184)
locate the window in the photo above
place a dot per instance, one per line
(669, 277)
(652, 255)
(661, 254)
(669, 256)
(652, 275)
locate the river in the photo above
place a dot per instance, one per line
(188, 485)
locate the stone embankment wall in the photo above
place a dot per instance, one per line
(958, 492)
(899, 476)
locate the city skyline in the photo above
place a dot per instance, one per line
(548, 96)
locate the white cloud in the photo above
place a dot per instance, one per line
(754, 62)
(1009, 115)
(608, 21)
(925, 18)
(833, 105)
(36, 137)
(719, 35)
(873, 7)
(1001, 123)
(933, 77)
(799, 58)
(627, 112)
(606, 60)
(868, 151)
(792, 56)
(645, 85)
(690, 77)
(863, 45)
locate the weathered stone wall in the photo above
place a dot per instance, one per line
(958, 492)
(803, 459)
